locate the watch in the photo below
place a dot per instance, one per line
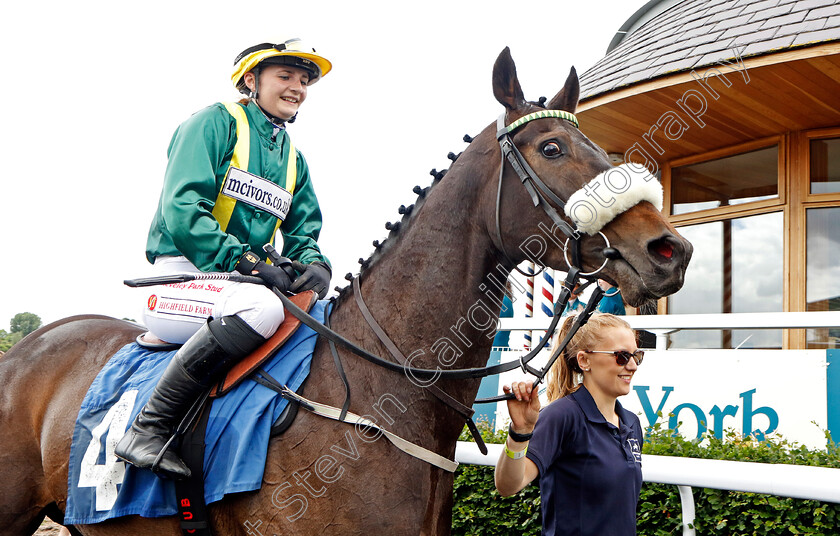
(519, 438)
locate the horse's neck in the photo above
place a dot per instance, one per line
(436, 274)
(431, 294)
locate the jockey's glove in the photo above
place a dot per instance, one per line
(315, 276)
(279, 277)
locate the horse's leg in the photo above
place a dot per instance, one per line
(43, 380)
(22, 494)
(28, 416)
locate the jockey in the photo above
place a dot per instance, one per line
(232, 179)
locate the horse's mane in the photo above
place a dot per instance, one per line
(395, 228)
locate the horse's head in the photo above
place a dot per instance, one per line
(648, 258)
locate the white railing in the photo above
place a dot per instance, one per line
(663, 325)
(797, 481)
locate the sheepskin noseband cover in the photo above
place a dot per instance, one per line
(611, 193)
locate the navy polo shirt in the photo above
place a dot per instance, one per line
(590, 471)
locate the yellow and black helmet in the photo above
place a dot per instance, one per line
(292, 52)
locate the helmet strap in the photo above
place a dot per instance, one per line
(276, 121)
(256, 91)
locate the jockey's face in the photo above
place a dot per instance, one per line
(282, 89)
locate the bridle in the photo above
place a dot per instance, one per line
(539, 192)
(540, 195)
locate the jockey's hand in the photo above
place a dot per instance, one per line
(316, 276)
(279, 277)
(275, 276)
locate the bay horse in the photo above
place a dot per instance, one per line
(432, 286)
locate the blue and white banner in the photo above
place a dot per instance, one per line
(794, 394)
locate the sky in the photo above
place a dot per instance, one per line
(94, 90)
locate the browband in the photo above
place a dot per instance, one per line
(542, 114)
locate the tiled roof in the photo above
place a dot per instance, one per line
(694, 33)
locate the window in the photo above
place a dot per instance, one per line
(753, 211)
(825, 166)
(737, 267)
(822, 289)
(732, 180)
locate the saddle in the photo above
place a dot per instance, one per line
(305, 300)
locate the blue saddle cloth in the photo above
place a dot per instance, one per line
(100, 487)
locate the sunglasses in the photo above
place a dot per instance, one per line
(622, 357)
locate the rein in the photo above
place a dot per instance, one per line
(540, 195)
(338, 339)
(465, 411)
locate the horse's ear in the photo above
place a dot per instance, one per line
(506, 86)
(567, 98)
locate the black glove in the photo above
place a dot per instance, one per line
(316, 276)
(279, 277)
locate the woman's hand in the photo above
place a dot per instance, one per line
(514, 470)
(525, 408)
(275, 276)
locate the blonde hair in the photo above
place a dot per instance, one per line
(565, 375)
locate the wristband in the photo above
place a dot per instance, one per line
(246, 263)
(519, 438)
(515, 455)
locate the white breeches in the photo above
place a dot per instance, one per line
(175, 312)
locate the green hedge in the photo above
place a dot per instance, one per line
(479, 510)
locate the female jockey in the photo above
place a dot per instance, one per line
(233, 179)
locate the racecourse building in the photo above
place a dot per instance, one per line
(735, 105)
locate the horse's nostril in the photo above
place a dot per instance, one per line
(665, 250)
(661, 248)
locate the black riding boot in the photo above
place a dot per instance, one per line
(212, 351)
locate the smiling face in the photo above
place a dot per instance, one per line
(605, 378)
(282, 89)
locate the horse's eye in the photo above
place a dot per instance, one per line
(551, 149)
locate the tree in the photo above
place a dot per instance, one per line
(25, 323)
(7, 340)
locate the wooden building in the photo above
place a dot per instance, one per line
(735, 105)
